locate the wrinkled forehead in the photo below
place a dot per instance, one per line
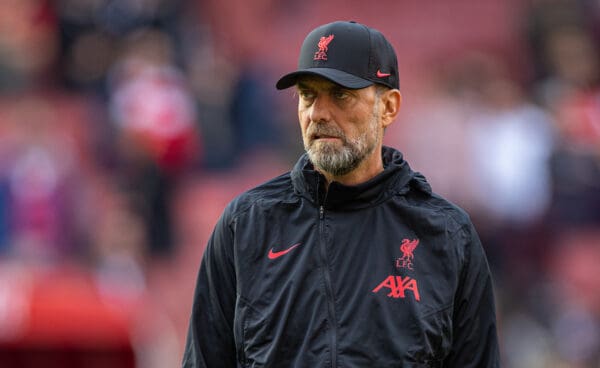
(309, 80)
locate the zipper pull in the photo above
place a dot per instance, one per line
(321, 212)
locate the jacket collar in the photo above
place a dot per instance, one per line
(396, 178)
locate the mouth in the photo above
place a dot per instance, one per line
(326, 137)
(326, 141)
(326, 134)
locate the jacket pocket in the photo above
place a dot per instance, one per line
(251, 337)
(434, 336)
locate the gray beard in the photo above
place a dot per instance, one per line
(338, 161)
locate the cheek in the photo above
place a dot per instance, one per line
(303, 124)
(303, 113)
(303, 129)
(355, 128)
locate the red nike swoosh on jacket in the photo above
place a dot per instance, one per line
(273, 255)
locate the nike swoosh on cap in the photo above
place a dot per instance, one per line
(382, 75)
(274, 255)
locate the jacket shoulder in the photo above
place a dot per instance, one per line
(276, 190)
(435, 206)
(456, 214)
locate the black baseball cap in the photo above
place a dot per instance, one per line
(347, 53)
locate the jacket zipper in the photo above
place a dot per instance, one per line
(329, 289)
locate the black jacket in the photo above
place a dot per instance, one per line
(383, 274)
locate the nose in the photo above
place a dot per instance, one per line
(320, 110)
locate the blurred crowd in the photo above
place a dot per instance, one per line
(125, 125)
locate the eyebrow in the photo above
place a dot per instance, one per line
(301, 85)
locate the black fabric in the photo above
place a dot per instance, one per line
(296, 276)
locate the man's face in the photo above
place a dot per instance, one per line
(341, 127)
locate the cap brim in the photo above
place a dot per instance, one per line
(336, 76)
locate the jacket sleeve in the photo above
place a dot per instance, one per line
(475, 341)
(210, 341)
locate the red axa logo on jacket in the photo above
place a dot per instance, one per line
(398, 285)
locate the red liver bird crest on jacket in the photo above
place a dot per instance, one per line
(407, 248)
(323, 45)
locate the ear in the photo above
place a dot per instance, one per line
(391, 100)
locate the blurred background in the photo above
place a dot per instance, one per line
(127, 125)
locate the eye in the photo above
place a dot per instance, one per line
(340, 94)
(306, 94)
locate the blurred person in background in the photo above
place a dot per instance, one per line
(509, 141)
(43, 139)
(575, 103)
(42, 183)
(350, 259)
(567, 84)
(155, 118)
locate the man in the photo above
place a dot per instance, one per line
(349, 260)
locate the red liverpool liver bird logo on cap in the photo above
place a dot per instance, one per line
(323, 44)
(407, 248)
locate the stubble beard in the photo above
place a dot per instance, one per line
(338, 160)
